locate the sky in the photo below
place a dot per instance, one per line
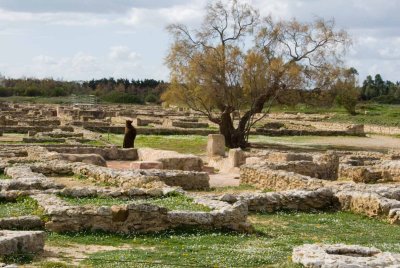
(85, 39)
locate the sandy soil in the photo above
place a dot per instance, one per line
(72, 182)
(122, 165)
(373, 142)
(11, 137)
(224, 180)
(75, 253)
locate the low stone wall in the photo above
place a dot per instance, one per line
(108, 153)
(137, 218)
(184, 124)
(370, 204)
(93, 159)
(321, 199)
(21, 242)
(24, 179)
(292, 132)
(359, 174)
(21, 223)
(25, 130)
(375, 129)
(172, 160)
(359, 171)
(188, 180)
(155, 131)
(343, 256)
(264, 177)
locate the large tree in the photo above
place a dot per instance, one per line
(234, 66)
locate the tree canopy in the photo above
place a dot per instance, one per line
(236, 64)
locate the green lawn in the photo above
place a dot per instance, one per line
(186, 144)
(4, 176)
(367, 113)
(175, 202)
(24, 206)
(271, 244)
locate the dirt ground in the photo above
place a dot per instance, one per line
(373, 142)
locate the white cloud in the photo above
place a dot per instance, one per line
(190, 12)
(373, 24)
(43, 59)
(58, 18)
(123, 53)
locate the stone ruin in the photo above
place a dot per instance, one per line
(33, 172)
(361, 182)
(280, 171)
(343, 256)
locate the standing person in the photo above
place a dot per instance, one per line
(130, 135)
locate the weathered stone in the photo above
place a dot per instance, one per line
(171, 160)
(236, 157)
(146, 165)
(21, 223)
(216, 145)
(21, 242)
(343, 256)
(119, 214)
(93, 159)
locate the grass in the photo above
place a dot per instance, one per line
(4, 176)
(23, 206)
(186, 144)
(44, 100)
(367, 113)
(94, 143)
(272, 244)
(234, 189)
(173, 202)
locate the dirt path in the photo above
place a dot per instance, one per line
(373, 142)
(75, 253)
(224, 180)
(121, 165)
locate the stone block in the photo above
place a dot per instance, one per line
(20, 242)
(344, 256)
(236, 158)
(216, 145)
(146, 165)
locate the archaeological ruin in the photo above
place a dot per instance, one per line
(61, 159)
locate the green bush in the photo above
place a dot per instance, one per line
(151, 98)
(121, 97)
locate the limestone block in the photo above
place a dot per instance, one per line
(236, 157)
(146, 165)
(19, 242)
(343, 256)
(93, 159)
(32, 133)
(172, 160)
(216, 145)
(21, 223)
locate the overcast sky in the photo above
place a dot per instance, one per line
(84, 39)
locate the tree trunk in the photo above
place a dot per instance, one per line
(234, 138)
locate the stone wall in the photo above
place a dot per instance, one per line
(188, 180)
(108, 153)
(171, 160)
(264, 177)
(137, 218)
(21, 242)
(321, 199)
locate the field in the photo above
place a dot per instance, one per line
(271, 244)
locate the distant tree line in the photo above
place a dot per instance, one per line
(378, 90)
(344, 91)
(107, 89)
